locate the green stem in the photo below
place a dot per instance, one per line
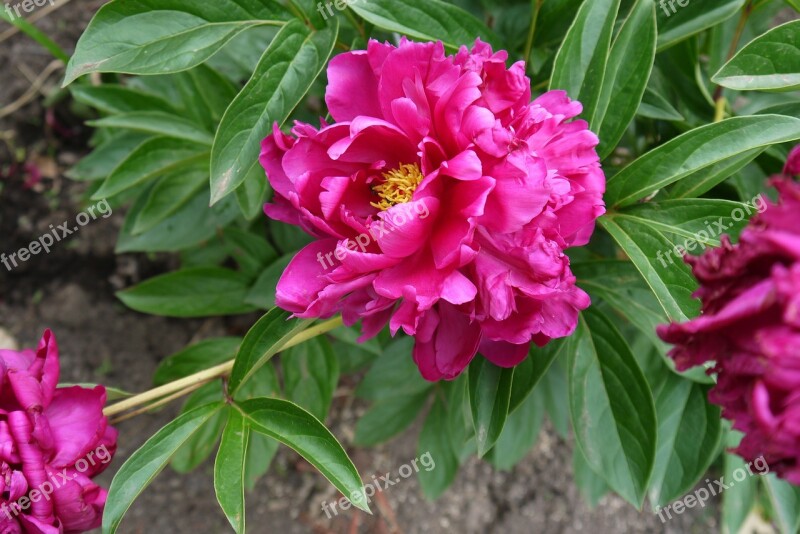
(352, 18)
(296, 11)
(737, 36)
(536, 6)
(179, 388)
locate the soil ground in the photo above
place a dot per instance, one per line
(71, 291)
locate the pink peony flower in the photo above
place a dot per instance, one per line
(792, 167)
(750, 328)
(442, 199)
(52, 442)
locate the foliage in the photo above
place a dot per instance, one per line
(689, 131)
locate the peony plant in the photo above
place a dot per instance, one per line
(55, 440)
(505, 185)
(485, 212)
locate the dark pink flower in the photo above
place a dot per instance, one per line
(792, 167)
(442, 198)
(52, 442)
(750, 328)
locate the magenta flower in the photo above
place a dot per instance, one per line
(750, 328)
(52, 442)
(442, 199)
(792, 167)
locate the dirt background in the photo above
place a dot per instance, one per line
(71, 290)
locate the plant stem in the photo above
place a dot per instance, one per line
(352, 18)
(536, 5)
(160, 402)
(737, 36)
(186, 385)
(719, 109)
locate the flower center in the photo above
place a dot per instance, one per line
(398, 186)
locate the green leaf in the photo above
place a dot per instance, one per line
(738, 500)
(519, 433)
(110, 98)
(284, 75)
(394, 374)
(104, 158)
(298, 429)
(262, 294)
(650, 251)
(191, 225)
(791, 109)
(678, 22)
(229, 470)
(351, 337)
(438, 444)
(205, 95)
(655, 236)
(252, 252)
(170, 193)
(619, 284)
(426, 20)
(627, 73)
(459, 427)
(354, 355)
(580, 64)
(702, 220)
(655, 106)
(196, 358)
(156, 123)
(195, 292)
(705, 180)
(388, 417)
(144, 464)
(689, 431)
(253, 193)
(262, 342)
(622, 287)
(311, 373)
(770, 62)
(489, 396)
(695, 150)
(290, 238)
(785, 499)
(201, 444)
(554, 390)
(261, 450)
(678, 75)
(239, 58)
(528, 373)
(590, 484)
(611, 407)
(163, 36)
(149, 160)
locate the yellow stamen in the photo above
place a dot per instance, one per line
(398, 186)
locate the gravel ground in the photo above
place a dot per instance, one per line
(71, 290)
